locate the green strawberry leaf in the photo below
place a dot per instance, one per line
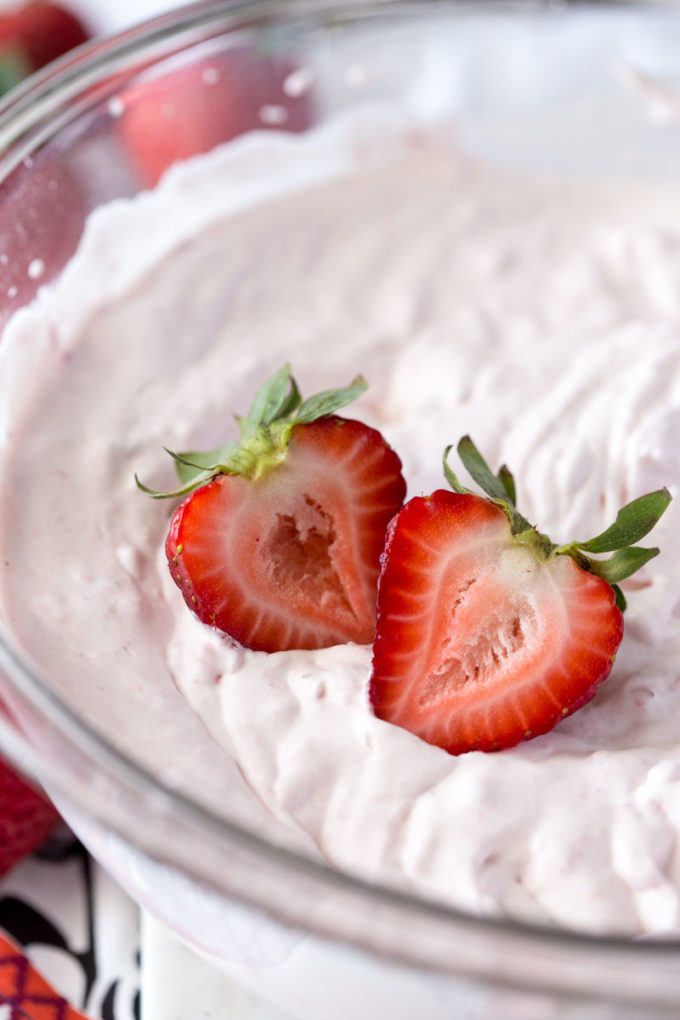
(329, 401)
(292, 402)
(265, 433)
(449, 474)
(200, 479)
(245, 428)
(277, 393)
(190, 465)
(500, 489)
(507, 480)
(622, 563)
(480, 472)
(633, 522)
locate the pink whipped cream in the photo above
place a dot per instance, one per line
(541, 316)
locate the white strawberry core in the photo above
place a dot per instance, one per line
(495, 621)
(499, 639)
(298, 554)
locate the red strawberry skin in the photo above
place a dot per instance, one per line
(291, 560)
(47, 31)
(480, 643)
(44, 208)
(38, 32)
(26, 818)
(196, 108)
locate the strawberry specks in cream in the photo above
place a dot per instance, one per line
(471, 300)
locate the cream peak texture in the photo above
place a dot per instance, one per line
(437, 278)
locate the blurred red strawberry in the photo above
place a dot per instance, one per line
(42, 210)
(42, 205)
(26, 818)
(195, 108)
(34, 34)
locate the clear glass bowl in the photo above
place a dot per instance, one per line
(530, 86)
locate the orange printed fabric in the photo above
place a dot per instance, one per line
(24, 994)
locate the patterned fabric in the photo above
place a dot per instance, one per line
(78, 929)
(24, 994)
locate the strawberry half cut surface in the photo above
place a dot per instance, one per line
(278, 542)
(487, 633)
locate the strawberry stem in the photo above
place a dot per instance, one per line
(265, 433)
(539, 543)
(499, 488)
(633, 521)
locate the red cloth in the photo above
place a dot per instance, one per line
(27, 994)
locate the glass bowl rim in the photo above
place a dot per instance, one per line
(22, 110)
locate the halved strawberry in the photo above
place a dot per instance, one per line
(487, 633)
(279, 543)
